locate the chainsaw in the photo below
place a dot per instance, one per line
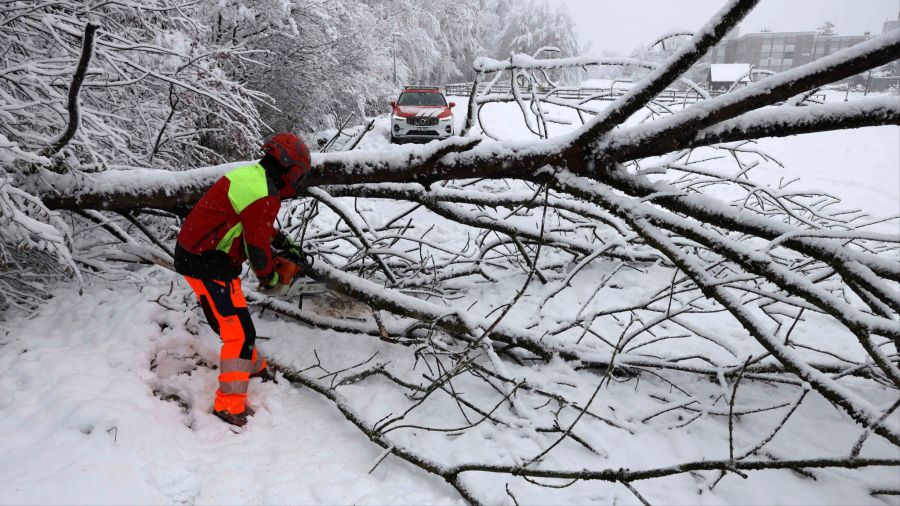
(299, 285)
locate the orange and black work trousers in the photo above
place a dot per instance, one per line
(226, 311)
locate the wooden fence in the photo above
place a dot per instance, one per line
(670, 95)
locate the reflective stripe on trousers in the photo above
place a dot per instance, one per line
(226, 311)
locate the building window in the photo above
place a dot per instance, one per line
(788, 63)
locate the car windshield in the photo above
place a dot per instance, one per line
(422, 99)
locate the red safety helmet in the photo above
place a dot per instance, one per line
(292, 153)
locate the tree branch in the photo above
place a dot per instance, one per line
(787, 121)
(87, 49)
(672, 132)
(635, 98)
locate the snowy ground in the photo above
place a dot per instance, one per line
(105, 394)
(86, 419)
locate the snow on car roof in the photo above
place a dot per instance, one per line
(422, 89)
(729, 72)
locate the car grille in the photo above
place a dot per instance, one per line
(422, 121)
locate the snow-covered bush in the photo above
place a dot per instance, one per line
(342, 58)
(88, 86)
(337, 63)
(156, 90)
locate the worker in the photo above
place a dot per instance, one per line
(233, 222)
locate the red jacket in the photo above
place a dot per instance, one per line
(233, 221)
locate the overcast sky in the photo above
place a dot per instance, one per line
(621, 25)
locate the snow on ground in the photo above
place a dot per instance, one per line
(860, 166)
(105, 395)
(105, 398)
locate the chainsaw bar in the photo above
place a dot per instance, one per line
(296, 288)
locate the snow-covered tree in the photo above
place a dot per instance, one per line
(341, 59)
(528, 27)
(335, 64)
(826, 29)
(749, 281)
(87, 86)
(460, 37)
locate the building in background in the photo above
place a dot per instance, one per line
(829, 44)
(776, 51)
(891, 24)
(726, 50)
(773, 52)
(780, 51)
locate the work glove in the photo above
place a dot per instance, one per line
(271, 281)
(288, 247)
(292, 250)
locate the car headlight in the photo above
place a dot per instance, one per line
(448, 118)
(397, 118)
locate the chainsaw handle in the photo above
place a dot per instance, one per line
(304, 260)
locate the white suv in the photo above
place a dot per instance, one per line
(421, 114)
